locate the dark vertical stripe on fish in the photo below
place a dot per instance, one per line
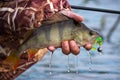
(61, 29)
(47, 32)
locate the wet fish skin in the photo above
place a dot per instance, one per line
(54, 34)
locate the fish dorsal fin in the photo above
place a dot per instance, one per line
(57, 17)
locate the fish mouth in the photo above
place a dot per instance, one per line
(85, 41)
(92, 41)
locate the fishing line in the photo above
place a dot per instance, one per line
(95, 9)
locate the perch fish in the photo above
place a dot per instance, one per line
(52, 35)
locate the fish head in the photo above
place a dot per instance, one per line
(84, 35)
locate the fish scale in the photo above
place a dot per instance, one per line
(52, 35)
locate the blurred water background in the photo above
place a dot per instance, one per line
(104, 67)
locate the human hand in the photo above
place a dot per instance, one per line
(70, 47)
(72, 15)
(67, 47)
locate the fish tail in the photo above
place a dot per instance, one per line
(12, 60)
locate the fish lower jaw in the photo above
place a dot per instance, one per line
(80, 44)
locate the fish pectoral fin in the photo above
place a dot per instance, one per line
(40, 54)
(12, 60)
(31, 53)
(36, 54)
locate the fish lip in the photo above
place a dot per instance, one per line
(93, 39)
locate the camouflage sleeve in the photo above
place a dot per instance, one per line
(66, 5)
(54, 6)
(30, 12)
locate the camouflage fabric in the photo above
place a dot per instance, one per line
(17, 20)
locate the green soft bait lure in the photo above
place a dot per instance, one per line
(99, 42)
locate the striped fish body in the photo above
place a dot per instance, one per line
(54, 34)
(51, 34)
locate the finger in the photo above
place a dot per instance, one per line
(51, 48)
(72, 15)
(74, 48)
(88, 46)
(65, 47)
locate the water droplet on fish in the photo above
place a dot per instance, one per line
(68, 70)
(50, 64)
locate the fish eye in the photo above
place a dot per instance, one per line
(91, 33)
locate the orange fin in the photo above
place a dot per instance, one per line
(12, 59)
(31, 53)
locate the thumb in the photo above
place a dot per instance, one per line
(72, 15)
